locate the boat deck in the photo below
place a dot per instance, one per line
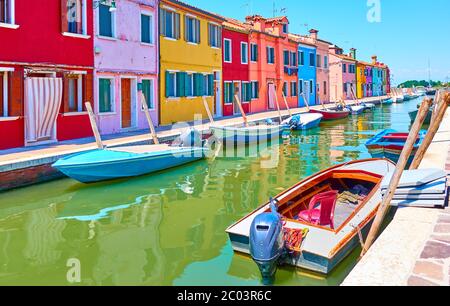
(144, 149)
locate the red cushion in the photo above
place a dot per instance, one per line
(315, 215)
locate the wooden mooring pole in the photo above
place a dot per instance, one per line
(401, 165)
(438, 115)
(149, 119)
(94, 126)
(208, 110)
(244, 116)
(287, 105)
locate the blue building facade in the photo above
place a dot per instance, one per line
(307, 75)
(377, 81)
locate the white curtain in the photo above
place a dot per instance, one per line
(43, 98)
(272, 94)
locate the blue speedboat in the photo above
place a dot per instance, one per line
(122, 162)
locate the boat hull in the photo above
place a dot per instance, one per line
(245, 136)
(331, 114)
(357, 110)
(104, 165)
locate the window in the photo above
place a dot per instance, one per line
(148, 91)
(311, 87)
(344, 68)
(324, 87)
(105, 101)
(74, 94)
(189, 88)
(285, 28)
(246, 91)
(244, 53)
(4, 94)
(192, 30)
(254, 53)
(270, 55)
(171, 84)
(300, 87)
(106, 21)
(301, 58)
(255, 90)
(325, 62)
(285, 89)
(312, 60)
(294, 89)
(214, 36)
(319, 61)
(208, 85)
(286, 57)
(74, 18)
(146, 29)
(345, 88)
(169, 24)
(293, 59)
(227, 51)
(229, 92)
(7, 11)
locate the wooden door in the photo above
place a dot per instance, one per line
(126, 102)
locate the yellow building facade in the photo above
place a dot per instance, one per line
(360, 80)
(190, 62)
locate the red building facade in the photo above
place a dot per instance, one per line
(236, 61)
(45, 71)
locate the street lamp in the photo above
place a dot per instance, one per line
(112, 4)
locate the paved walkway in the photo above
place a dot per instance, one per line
(414, 249)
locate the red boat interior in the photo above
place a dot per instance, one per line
(353, 188)
(398, 137)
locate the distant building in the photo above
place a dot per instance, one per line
(342, 74)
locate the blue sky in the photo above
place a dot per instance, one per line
(411, 32)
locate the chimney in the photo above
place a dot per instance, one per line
(353, 53)
(256, 21)
(313, 34)
(374, 59)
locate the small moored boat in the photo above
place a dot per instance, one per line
(303, 121)
(389, 144)
(356, 109)
(244, 135)
(331, 114)
(316, 223)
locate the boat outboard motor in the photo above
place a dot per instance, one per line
(189, 138)
(267, 242)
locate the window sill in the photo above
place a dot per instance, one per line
(170, 38)
(173, 99)
(150, 109)
(9, 26)
(192, 43)
(106, 38)
(9, 118)
(70, 114)
(147, 44)
(75, 35)
(216, 48)
(107, 114)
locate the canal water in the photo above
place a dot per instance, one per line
(169, 228)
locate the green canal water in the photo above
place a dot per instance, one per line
(169, 228)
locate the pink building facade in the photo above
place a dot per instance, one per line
(342, 74)
(322, 66)
(126, 61)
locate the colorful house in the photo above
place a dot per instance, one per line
(237, 55)
(46, 63)
(322, 66)
(126, 58)
(360, 80)
(369, 80)
(307, 74)
(274, 69)
(342, 74)
(190, 62)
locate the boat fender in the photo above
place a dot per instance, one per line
(267, 241)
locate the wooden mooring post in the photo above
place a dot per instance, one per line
(401, 165)
(94, 126)
(438, 115)
(287, 105)
(244, 116)
(149, 119)
(208, 110)
(278, 106)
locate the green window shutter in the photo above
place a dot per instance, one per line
(168, 84)
(198, 31)
(177, 26)
(226, 93)
(187, 86)
(162, 23)
(181, 84)
(197, 85)
(211, 84)
(249, 91)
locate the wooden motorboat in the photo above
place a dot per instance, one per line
(357, 186)
(389, 144)
(304, 121)
(114, 163)
(331, 114)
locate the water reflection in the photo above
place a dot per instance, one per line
(169, 228)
